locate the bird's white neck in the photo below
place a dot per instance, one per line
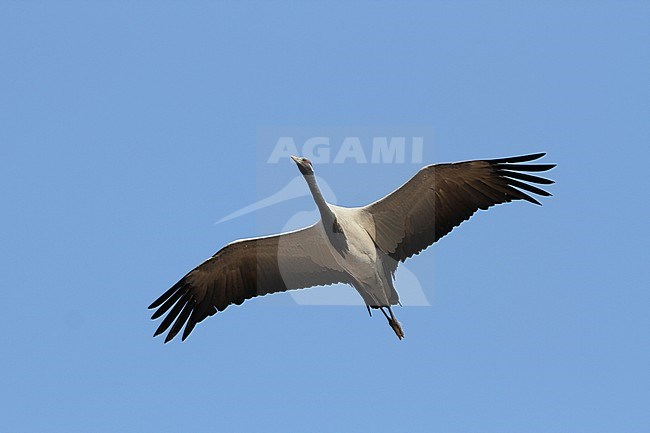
(326, 213)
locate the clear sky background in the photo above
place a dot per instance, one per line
(129, 128)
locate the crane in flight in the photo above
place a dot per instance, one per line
(360, 246)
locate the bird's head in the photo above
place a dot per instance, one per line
(304, 165)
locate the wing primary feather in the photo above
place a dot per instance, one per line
(526, 177)
(180, 321)
(525, 167)
(168, 304)
(513, 159)
(165, 295)
(522, 195)
(529, 188)
(191, 323)
(171, 315)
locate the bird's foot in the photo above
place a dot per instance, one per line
(397, 327)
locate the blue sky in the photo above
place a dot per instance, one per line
(130, 128)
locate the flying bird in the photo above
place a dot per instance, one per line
(360, 246)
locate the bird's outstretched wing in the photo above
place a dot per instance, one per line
(440, 197)
(245, 269)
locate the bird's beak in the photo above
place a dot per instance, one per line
(295, 159)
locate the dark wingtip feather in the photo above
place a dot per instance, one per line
(513, 172)
(162, 298)
(528, 187)
(189, 326)
(180, 321)
(167, 305)
(173, 314)
(157, 302)
(522, 195)
(526, 177)
(515, 159)
(158, 332)
(526, 167)
(191, 323)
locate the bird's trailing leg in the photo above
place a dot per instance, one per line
(392, 321)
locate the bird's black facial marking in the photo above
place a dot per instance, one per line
(305, 166)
